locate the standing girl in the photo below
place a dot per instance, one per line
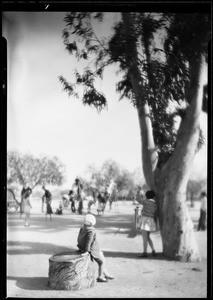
(148, 223)
(27, 205)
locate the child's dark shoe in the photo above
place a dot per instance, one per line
(101, 279)
(144, 254)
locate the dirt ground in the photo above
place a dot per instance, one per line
(29, 249)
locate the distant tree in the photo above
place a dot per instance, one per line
(27, 170)
(162, 59)
(125, 183)
(138, 177)
(102, 177)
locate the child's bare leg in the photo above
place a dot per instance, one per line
(104, 270)
(144, 235)
(150, 241)
(100, 270)
(25, 220)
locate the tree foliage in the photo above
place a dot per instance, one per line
(25, 169)
(110, 171)
(163, 63)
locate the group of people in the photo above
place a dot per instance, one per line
(25, 206)
(75, 195)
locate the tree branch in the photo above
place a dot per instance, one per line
(14, 197)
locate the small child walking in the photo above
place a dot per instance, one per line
(88, 243)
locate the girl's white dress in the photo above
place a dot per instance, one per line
(148, 224)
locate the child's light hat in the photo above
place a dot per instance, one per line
(89, 220)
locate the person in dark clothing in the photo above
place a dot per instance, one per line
(71, 198)
(203, 212)
(102, 200)
(48, 196)
(88, 243)
(78, 187)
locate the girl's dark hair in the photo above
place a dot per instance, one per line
(203, 194)
(28, 192)
(150, 194)
(70, 192)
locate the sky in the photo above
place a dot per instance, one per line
(43, 120)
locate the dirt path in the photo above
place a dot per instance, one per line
(28, 251)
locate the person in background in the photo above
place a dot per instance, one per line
(59, 210)
(27, 206)
(88, 243)
(72, 201)
(110, 201)
(101, 204)
(24, 189)
(78, 188)
(42, 203)
(48, 198)
(203, 211)
(148, 222)
(91, 201)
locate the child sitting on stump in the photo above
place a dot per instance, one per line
(88, 243)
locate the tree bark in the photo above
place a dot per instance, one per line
(71, 271)
(177, 230)
(176, 226)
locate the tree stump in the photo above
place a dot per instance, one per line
(71, 271)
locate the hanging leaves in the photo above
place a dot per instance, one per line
(164, 70)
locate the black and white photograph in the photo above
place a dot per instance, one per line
(106, 186)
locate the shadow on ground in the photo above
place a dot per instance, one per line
(28, 248)
(31, 283)
(130, 255)
(117, 224)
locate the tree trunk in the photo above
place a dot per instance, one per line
(149, 154)
(177, 230)
(71, 271)
(176, 226)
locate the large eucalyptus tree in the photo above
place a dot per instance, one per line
(157, 75)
